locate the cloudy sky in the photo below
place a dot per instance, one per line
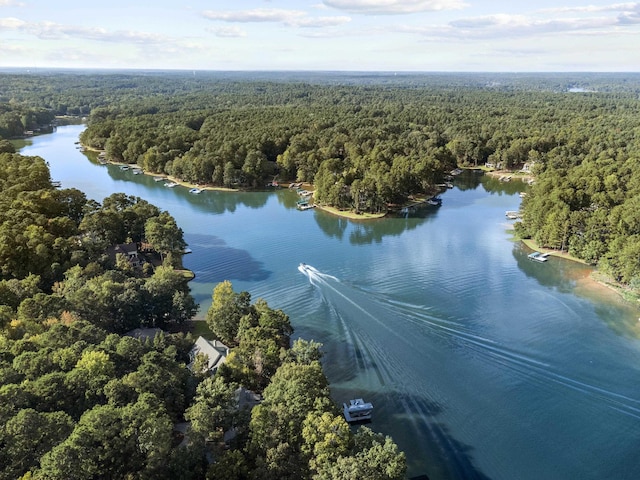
(383, 35)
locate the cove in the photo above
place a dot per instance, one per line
(480, 363)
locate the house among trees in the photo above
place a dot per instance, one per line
(215, 352)
(129, 250)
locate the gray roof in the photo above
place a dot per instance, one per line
(215, 351)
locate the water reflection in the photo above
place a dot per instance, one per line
(493, 184)
(212, 201)
(556, 272)
(468, 180)
(331, 225)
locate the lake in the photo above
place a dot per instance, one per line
(481, 364)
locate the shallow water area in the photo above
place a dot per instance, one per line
(479, 362)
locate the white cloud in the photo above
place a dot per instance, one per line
(375, 7)
(49, 30)
(616, 7)
(56, 31)
(11, 23)
(503, 25)
(230, 32)
(319, 22)
(255, 15)
(293, 18)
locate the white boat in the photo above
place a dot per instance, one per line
(124, 167)
(357, 410)
(195, 191)
(538, 257)
(158, 179)
(170, 184)
(137, 171)
(307, 269)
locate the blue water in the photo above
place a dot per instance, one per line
(480, 363)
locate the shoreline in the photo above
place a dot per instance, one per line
(163, 175)
(308, 186)
(595, 278)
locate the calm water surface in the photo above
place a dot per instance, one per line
(480, 363)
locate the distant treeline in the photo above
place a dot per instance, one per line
(370, 141)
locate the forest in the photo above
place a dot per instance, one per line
(369, 143)
(80, 398)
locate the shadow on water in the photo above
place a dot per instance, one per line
(433, 450)
(218, 262)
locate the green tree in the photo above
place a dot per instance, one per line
(164, 235)
(214, 408)
(169, 300)
(226, 311)
(327, 437)
(373, 456)
(29, 435)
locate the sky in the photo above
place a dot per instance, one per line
(349, 35)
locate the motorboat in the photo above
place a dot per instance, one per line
(170, 184)
(195, 191)
(306, 269)
(357, 410)
(538, 257)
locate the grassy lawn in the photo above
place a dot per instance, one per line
(188, 274)
(200, 328)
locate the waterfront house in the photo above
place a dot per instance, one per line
(215, 351)
(129, 250)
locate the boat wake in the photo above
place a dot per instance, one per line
(314, 273)
(402, 357)
(365, 319)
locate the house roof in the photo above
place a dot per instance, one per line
(215, 351)
(126, 248)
